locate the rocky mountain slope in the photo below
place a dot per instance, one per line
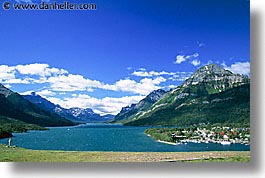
(211, 95)
(129, 112)
(15, 107)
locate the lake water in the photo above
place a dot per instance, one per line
(107, 137)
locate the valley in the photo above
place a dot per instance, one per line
(211, 98)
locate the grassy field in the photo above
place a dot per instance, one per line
(16, 154)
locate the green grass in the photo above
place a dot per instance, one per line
(16, 154)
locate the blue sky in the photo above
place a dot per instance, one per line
(113, 56)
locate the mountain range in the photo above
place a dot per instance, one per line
(32, 112)
(17, 114)
(211, 95)
(129, 112)
(78, 115)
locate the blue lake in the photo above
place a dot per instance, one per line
(107, 137)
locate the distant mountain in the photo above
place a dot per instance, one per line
(74, 114)
(129, 112)
(211, 95)
(16, 107)
(107, 117)
(87, 115)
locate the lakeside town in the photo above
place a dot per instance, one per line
(221, 135)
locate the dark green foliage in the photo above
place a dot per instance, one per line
(230, 106)
(20, 115)
(16, 107)
(163, 134)
(9, 125)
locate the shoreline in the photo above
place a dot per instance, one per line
(161, 141)
(169, 143)
(219, 135)
(192, 141)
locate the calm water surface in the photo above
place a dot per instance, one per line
(106, 137)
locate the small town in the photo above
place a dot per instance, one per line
(222, 135)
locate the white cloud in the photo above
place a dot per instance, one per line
(183, 58)
(72, 83)
(30, 73)
(46, 93)
(239, 68)
(54, 81)
(42, 70)
(180, 59)
(26, 92)
(142, 69)
(180, 76)
(173, 76)
(144, 87)
(32, 69)
(107, 105)
(158, 80)
(195, 62)
(141, 73)
(6, 73)
(16, 80)
(60, 80)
